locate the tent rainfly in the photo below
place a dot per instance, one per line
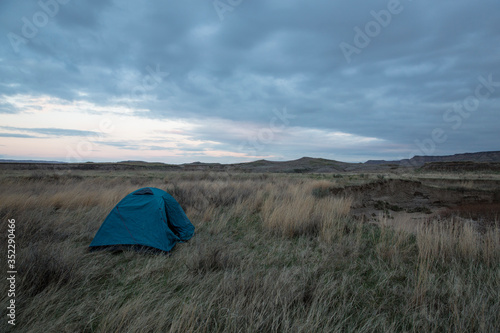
(146, 218)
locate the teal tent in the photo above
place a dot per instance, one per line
(146, 218)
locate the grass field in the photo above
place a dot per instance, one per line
(269, 255)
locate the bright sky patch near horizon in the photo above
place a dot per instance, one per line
(237, 80)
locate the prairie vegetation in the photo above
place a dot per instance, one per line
(271, 253)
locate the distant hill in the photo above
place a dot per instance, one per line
(417, 161)
(304, 164)
(461, 166)
(466, 162)
(28, 161)
(487, 156)
(380, 162)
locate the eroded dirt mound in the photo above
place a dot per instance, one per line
(397, 195)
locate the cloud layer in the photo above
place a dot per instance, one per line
(358, 80)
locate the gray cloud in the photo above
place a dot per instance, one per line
(267, 55)
(14, 135)
(53, 131)
(8, 108)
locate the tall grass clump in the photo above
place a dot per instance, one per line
(296, 211)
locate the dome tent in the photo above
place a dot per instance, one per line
(146, 218)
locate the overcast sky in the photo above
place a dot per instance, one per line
(231, 81)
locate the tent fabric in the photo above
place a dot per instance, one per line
(143, 191)
(147, 217)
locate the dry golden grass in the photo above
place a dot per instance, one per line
(271, 253)
(294, 210)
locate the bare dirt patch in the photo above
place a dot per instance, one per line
(389, 197)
